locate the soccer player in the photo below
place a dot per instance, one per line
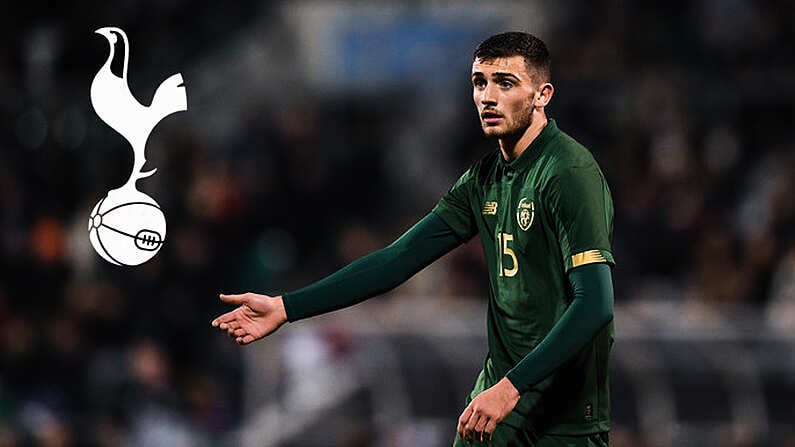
(544, 214)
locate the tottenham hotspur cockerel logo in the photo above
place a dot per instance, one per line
(127, 227)
(525, 213)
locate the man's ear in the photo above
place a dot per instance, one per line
(544, 95)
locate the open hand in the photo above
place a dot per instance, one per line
(488, 409)
(256, 316)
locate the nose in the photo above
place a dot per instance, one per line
(488, 95)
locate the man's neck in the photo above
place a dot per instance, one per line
(513, 147)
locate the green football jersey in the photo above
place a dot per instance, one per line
(539, 216)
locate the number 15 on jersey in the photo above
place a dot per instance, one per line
(504, 240)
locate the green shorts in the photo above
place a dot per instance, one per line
(507, 436)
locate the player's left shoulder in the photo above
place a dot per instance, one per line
(570, 153)
(571, 163)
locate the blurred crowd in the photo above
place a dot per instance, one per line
(689, 107)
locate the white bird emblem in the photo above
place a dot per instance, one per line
(127, 227)
(118, 108)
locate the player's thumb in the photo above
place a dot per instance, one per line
(234, 299)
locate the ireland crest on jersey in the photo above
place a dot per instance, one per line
(525, 213)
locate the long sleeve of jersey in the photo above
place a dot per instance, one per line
(375, 273)
(590, 310)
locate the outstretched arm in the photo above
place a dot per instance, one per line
(374, 274)
(590, 310)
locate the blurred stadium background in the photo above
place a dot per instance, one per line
(318, 131)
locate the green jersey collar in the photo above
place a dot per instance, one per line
(534, 150)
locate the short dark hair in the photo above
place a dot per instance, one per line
(530, 47)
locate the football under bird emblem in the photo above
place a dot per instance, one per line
(127, 227)
(525, 213)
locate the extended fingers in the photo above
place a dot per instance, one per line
(476, 423)
(237, 334)
(463, 420)
(234, 299)
(225, 318)
(480, 427)
(231, 327)
(489, 429)
(470, 429)
(244, 340)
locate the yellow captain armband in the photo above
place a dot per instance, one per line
(587, 257)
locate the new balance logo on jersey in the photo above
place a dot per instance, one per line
(490, 208)
(525, 213)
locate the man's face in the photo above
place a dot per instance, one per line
(504, 91)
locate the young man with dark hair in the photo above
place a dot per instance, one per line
(544, 214)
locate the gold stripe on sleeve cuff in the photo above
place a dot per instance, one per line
(587, 257)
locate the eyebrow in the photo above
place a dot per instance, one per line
(497, 74)
(500, 74)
